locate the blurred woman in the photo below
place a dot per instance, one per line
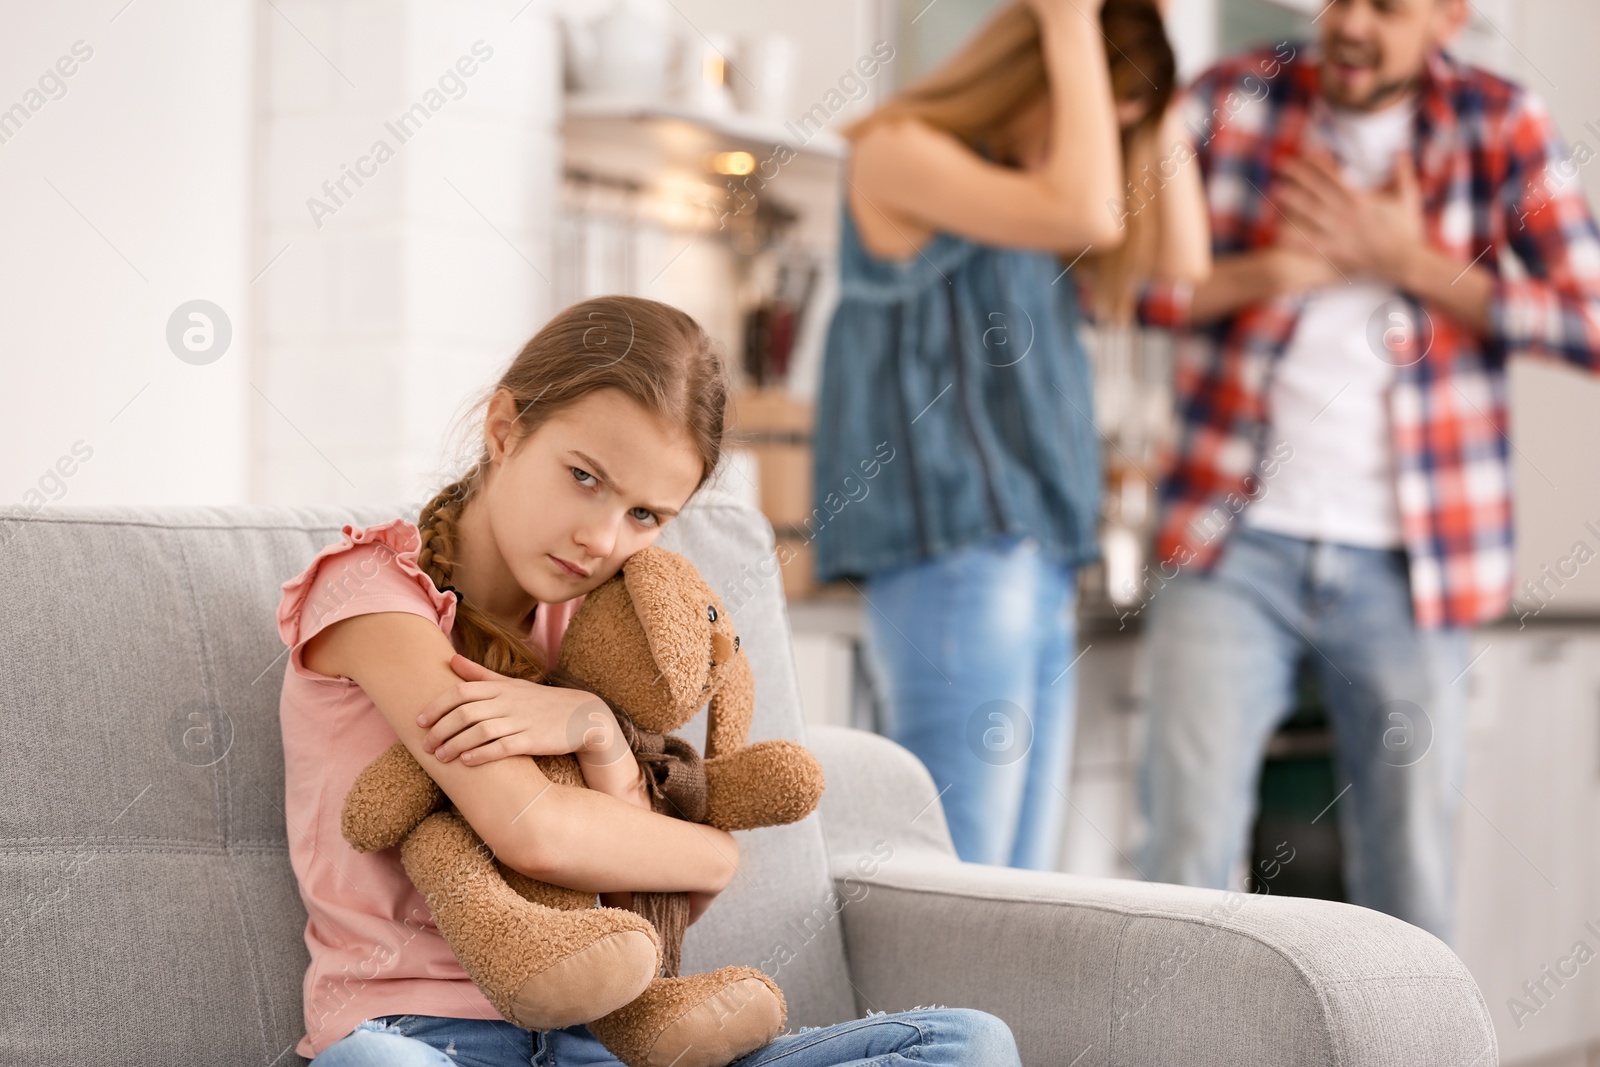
(958, 469)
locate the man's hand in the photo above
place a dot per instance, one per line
(1381, 234)
(1333, 233)
(1375, 233)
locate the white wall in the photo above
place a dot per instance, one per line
(1192, 28)
(125, 197)
(379, 320)
(178, 165)
(1553, 412)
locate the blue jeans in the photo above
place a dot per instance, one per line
(1220, 656)
(970, 652)
(935, 1037)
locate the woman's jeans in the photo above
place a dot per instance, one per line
(971, 654)
(1221, 651)
(935, 1037)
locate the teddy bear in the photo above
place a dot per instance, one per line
(656, 644)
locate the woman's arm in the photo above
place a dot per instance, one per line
(1183, 229)
(566, 835)
(910, 169)
(1246, 278)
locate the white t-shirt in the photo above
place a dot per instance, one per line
(1329, 394)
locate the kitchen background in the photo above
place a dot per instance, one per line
(685, 150)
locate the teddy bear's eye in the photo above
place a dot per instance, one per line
(711, 612)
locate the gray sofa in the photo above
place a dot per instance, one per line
(153, 918)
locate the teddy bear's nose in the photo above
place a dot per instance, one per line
(722, 647)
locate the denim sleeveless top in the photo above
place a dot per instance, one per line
(955, 405)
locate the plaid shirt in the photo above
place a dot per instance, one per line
(1495, 177)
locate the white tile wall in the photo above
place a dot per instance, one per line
(375, 327)
(125, 197)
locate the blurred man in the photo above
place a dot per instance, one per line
(1340, 488)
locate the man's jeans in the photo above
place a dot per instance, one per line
(970, 652)
(1220, 656)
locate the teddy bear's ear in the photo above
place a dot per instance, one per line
(657, 580)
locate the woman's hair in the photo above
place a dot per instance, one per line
(1142, 66)
(1143, 70)
(651, 352)
(974, 93)
(1001, 70)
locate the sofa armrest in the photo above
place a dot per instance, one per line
(874, 786)
(1098, 971)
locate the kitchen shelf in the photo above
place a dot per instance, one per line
(712, 131)
(665, 150)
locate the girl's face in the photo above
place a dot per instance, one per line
(567, 506)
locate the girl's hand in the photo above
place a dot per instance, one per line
(490, 716)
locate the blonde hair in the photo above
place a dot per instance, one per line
(653, 353)
(974, 93)
(1144, 70)
(1000, 70)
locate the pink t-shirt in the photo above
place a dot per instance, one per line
(374, 947)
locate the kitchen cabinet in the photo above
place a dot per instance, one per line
(1529, 872)
(774, 426)
(1101, 826)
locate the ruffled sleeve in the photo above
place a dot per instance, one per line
(372, 568)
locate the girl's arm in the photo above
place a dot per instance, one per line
(527, 728)
(608, 764)
(907, 167)
(615, 774)
(565, 835)
(618, 776)
(604, 757)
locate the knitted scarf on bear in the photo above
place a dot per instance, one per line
(675, 778)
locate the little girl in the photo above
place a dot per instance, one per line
(437, 632)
